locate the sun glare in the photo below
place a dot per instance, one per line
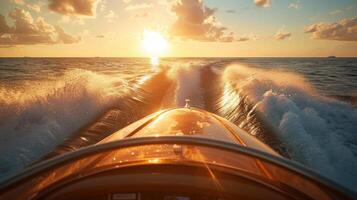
(155, 45)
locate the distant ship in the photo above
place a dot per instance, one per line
(331, 57)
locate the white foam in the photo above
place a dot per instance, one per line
(36, 117)
(316, 131)
(187, 79)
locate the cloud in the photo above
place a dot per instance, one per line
(74, 7)
(243, 39)
(18, 2)
(344, 30)
(335, 12)
(342, 10)
(4, 28)
(198, 22)
(27, 31)
(35, 6)
(262, 3)
(296, 5)
(247, 37)
(64, 37)
(282, 35)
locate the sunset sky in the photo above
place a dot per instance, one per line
(218, 28)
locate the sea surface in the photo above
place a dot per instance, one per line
(304, 108)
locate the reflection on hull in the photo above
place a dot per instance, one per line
(189, 122)
(182, 153)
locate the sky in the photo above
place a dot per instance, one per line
(193, 28)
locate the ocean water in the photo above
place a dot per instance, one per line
(304, 108)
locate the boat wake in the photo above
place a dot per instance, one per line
(314, 130)
(36, 117)
(278, 107)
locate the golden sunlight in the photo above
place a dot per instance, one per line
(155, 45)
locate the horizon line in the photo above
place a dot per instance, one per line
(164, 57)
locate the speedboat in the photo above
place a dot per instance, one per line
(174, 154)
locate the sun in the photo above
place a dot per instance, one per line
(154, 44)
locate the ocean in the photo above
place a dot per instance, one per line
(304, 108)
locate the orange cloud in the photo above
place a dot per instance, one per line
(18, 2)
(243, 39)
(4, 28)
(198, 22)
(344, 30)
(246, 37)
(281, 35)
(74, 7)
(262, 3)
(27, 31)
